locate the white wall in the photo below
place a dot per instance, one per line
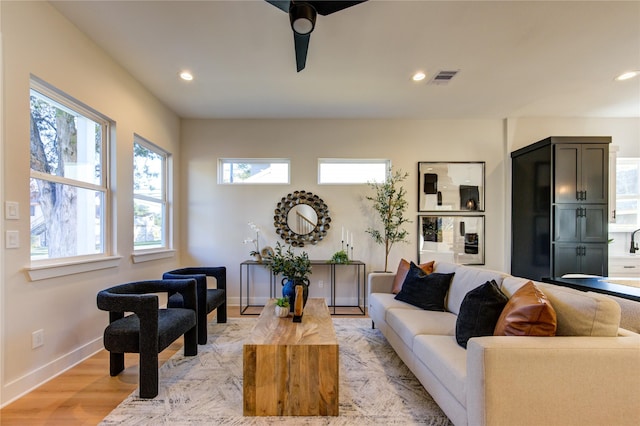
(39, 41)
(625, 132)
(217, 215)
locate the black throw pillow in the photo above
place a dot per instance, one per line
(479, 312)
(426, 291)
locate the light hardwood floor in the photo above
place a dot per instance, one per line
(83, 395)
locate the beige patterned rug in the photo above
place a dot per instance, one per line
(376, 388)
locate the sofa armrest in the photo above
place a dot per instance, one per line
(553, 380)
(380, 282)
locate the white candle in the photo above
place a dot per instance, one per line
(342, 234)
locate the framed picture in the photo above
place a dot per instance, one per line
(451, 186)
(452, 238)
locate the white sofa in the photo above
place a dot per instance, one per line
(511, 380)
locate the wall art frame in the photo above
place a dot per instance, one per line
(452, 186)
(451, 238)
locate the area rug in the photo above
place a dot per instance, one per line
(375, 385)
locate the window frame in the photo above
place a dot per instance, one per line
(372, 161)
(618, 227)
(164, 200)
(59, 266)
(223, 161)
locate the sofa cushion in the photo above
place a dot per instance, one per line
(380, 303)
(446, 360)
(425, 291)
(527, 313)
(578, 313)
(403, 269)
(479, 312)
(409, 323)
(466, 279)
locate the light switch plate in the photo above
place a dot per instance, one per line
(11, 210)
(13, 240)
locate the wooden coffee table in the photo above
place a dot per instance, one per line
(291, 369)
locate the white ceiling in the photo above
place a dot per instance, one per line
(516, 58)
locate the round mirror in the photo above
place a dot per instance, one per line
(302, 217)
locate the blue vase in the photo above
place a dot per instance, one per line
(289, 290)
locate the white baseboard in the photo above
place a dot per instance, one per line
(19, 387)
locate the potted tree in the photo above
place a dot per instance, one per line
(390, 203)
(295, 269)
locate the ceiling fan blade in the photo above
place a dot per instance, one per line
(280, 4)
(302, 45)
(327, 7)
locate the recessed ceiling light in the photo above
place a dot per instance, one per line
(627, 75)
(186, 75)
(419, 76)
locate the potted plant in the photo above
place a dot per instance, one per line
(390, 203)
(340, 257)
(294, 268)
(282, 307)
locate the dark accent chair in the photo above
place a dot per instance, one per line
(208, 298)
(148, 330)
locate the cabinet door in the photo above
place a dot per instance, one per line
(566, 259)
(566, 223)
(595, 259)
(593, 224)
(580, 223)
(581, 173)
(566, 173)
(594, 169)
(571, 258)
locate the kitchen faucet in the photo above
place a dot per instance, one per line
(633, 248)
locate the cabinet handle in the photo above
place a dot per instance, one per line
(629, 267)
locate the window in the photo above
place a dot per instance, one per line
(68, 185)
(628, 191)
(351, 171)
(253, 170)
(150, 206)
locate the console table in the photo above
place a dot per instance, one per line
(334, 308)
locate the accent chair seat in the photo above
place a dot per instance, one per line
(208, 298)
(148, 330)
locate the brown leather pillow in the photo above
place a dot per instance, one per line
(401, 273)
(527, 313)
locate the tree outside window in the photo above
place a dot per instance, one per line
(68, 189)
(149, 196)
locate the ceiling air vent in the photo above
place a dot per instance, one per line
(443, 77)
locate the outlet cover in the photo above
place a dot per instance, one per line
(12, 240)
(37, 339)
(11, 210)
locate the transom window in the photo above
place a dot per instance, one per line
(68, 185)
(352, 171)
(150, 205)
(253, 170)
